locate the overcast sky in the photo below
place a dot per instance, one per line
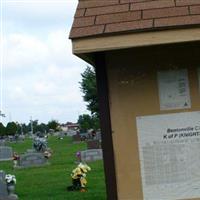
(40, 75)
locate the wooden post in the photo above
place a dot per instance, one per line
(107, 142)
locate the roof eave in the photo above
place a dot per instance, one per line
(85, 47)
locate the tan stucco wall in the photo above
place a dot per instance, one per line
(133, 91)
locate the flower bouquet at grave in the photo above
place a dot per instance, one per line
(40, 144)
(10, 179)
(78, 176)
(47, 153)
(16, 158)
(78, 156)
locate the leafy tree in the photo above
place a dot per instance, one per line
(86, 122)
(2, 129)
(95, 122)
(18, 128)
(53, 124)
(42, 128)
(26, 128)
(35, 125)
(89, 89)
(11, 128)
(23, 128)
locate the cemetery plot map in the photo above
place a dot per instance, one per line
(169, 147)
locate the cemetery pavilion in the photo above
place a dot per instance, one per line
(146, 56)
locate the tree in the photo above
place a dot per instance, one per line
(95, 122)
(35, 125)
(11, 128)
(18, 128)
(86, 122)
(42, 128)
(26, 128)
(2, 129)
(53, 124)
(89, 89)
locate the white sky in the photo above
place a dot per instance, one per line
(40, 76)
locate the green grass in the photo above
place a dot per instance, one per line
(50, 182)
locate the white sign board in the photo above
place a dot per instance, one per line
(174, 89)
(169, 148)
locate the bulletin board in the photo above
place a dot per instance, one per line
(134, 91)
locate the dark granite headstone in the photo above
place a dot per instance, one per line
(32, 160)
(6, 153)
(93, 144)
(76, 138)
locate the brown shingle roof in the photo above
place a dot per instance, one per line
(100, 17)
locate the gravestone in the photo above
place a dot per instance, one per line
(71, 133)
(91, 155)
(93, 144)
(76, 138)
(2, 142)
(30, 151)
(6, 153)
(3, 185)
(4, 190)
(98, 136)
(32, 160)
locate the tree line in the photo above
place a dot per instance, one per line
(13, 128)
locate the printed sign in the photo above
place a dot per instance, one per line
(169, 148)
(174, 89)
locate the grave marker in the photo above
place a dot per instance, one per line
(2, 142)
(3, 185)
(93, 144)
(4, 189)
(32, 160)
(76, 138)
(6, 153)
(91, 155)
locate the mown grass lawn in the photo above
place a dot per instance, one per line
(50, 182)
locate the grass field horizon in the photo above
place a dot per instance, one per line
(50, 182)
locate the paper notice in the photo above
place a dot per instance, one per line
(174, 89)
(169, 148)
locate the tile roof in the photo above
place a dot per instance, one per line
(100, 17)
